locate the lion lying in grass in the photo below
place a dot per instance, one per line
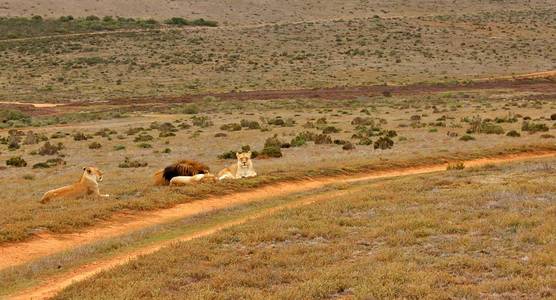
(186, 180)
(181, 168)
(87, 185)
(242, 169)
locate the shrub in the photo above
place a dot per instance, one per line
(330, 129)
(277, 122)
(34, 138)
(348, 146)
(491, 128)
(49, 149)
(533, 127)
(143, 138)
(513, 133)
(231, 127)
(455, 166)
(201, 121)
(340, 142)
(553, 117)
(167, 150)
(49, 163)
(415, 118)
(80, 136)
(132, 163)
(119, 147)
(298, 141)
(134, 131)
(547, 136)
(144, 145)
(466, 138)
(365, 141)
(323, 139)
(250, 124)
(271, 151)
(16, 161)
(273, 142)
(164, 134)
(384, 143)
(220, 134)
(363, 121)
(227, 155)
(7, 115)
(190, 109)
(95, 145)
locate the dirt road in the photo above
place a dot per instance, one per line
(20, 253)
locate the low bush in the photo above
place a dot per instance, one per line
(384, 143)
(231, 127)
(466, 138)
(95, 145)
(330, 129)
(49, 149)
(323, 139)
(533, 127)
(348, 146)
(143, 138)
(16, 161)
(455, 166)
(132, 163)
(513, 133)
(250, 124)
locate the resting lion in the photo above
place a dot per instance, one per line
(187, 180)
(242, 169)
(181, 168)
(87, 185)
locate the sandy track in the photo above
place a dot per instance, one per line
(55, 284)
(19, 253)
(47, 244)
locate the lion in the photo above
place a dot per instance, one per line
(181, 168)
(242, 169)
(87, 185)
(186, 180)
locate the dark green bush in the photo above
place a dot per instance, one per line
(466, 138)
(16, 161)
(132, 163)
(513, 133)
(95, 145)
(231, 127)
(384, 143)
(533, 127)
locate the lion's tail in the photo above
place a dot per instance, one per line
(46, 197)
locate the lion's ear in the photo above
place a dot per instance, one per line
(249, 153)
(237, 154)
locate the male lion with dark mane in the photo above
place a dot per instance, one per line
(181, 168)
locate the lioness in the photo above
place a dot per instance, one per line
(185, 180)
(242, 169)
(87, 185)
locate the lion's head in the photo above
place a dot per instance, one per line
(244, 159)
(92, 173)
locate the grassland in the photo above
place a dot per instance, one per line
(311, 136)
(343, 52)
(476, 233)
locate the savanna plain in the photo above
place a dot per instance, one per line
(403, 149)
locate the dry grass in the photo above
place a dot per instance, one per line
(341, 52)
(414, 237)
(130, 187)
